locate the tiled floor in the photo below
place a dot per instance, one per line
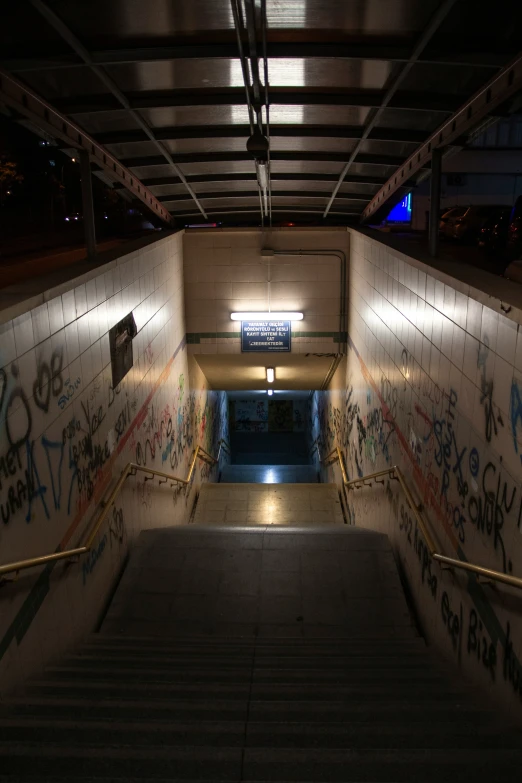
(268, 504)
(269, 474)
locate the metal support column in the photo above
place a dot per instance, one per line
(88, 206)
(436, 168)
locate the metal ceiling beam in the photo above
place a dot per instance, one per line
(279, 96)
(217, 157)
(388, 50)
(69, 37)
(279, 131)
(275, 193)
(283, 209)
(283, 176)
(497, 90)
(434, 24)
(44, 116)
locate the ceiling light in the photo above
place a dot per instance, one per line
(269, 392)
(270, 374)
(263, 180)
(266, 316)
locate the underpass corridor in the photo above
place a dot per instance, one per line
(217, 564)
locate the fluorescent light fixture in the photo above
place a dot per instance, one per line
(270, 392)
(263, 180)
(270, 374)
(266, 316)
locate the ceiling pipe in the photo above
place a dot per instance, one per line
(341, 255)
(250, 8)
(428, 33)
(267, 105)
(236, 13)
(69, 37)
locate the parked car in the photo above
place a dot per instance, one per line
(493, 234)
(465, 223)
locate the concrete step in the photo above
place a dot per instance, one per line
(379, 765)
(123, 733)
(450, 711)
(314, 734)
(266, 645)
(135, 690)
(260, 697)
(141, 709)
(376, 733)
(74, 762)
(288, 663)
(203, 669)
(57, 762)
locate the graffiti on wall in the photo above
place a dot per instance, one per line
(195, 418)
(58, 440)
(455, 457)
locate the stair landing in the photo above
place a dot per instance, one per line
(268, 504)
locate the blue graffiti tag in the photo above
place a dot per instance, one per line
(55, 486)
(516, 413)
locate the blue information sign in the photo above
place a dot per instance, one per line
(268, 336)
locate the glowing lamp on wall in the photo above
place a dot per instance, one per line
(256, 316)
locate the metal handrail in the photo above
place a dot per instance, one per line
(223, 446)
(396, 474)
(130, 469)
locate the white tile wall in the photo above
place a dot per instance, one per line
(460, 405)
(62, 421)
(225, 271)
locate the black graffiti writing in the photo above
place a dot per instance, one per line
(3, 386)
(70, 430)
(452, 621)
(511, 668)
(389, 395)
(421, 550)
(480, 645)
(93, 420)
(113, 393)
(116, 525)
(122, 421)
(49, 380)
(24, 421)
(92, 558)
(10, 464)
(406, 524)
(486, 512)
(23, 490)
(486, 394)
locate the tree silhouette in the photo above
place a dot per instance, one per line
(9, 176)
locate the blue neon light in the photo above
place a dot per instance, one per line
(401, 213)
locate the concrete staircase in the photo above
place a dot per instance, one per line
(256, 654)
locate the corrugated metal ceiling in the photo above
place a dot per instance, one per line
(330, 64)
